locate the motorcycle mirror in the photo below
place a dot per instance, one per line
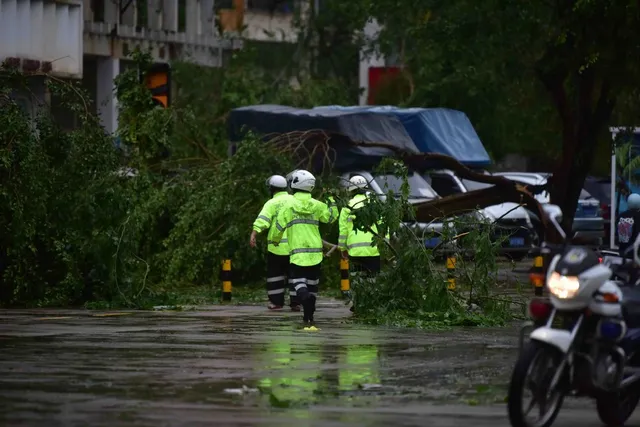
(554, 213)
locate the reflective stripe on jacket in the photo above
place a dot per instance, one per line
(356, 242)
(301, 218)
(267, 220)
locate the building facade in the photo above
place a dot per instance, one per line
(91, 39)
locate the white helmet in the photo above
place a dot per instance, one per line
(276, 181)
(290, 177)
(633, 201)
(357, 182)
(302, 180)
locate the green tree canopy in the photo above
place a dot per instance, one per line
(540, 75)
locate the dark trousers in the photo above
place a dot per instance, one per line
(366, 265)
(304, 282)
(277, 275)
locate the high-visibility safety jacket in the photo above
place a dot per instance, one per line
(357, 242)
(301, 218)
(267, 220)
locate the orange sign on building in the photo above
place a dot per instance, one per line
(158, 80)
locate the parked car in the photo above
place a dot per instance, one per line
(600, 189)
(510, 219)
(588, 223)
(420, 191)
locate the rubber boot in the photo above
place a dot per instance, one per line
(309, 306)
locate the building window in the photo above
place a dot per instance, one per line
(182, 16)
(97, 6)
(142, 14)
(271, 6)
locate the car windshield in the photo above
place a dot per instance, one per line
(418, 187)
(475, 185)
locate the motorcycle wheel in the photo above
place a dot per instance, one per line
(534, 371)
(614, 409)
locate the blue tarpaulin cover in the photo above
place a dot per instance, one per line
(362, 126)
(434, 130)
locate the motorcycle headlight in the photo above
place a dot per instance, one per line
(563, 287)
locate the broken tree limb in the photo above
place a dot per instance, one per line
(315, 148)
(503, 189)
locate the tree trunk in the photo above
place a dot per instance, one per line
(582, 123)
(568, 179)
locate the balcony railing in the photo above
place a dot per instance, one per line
(173, 29)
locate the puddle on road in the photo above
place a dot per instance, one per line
(269, 364)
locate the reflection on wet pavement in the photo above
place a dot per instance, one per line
(241, 366)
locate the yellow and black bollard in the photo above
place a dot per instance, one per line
(344, 277)
(536, 275)
(451, 273)
(225, 276)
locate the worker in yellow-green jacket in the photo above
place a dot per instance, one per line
(300, 218)
(277, 256)
(357, 245)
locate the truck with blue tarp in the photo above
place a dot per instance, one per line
(339, 126)
(434, 130)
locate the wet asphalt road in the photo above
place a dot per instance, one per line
(243, 366)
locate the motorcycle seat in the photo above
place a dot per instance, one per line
(631, 306)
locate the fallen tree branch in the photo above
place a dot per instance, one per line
(315, 147)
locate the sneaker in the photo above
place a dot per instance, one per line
(274, 307)
(296, 307)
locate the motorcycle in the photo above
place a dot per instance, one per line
(584, 342)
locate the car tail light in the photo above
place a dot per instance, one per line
(606, 211)
(539, 309)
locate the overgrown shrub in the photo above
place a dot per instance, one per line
(59, 200)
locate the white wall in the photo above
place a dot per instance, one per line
(45, 31)
(369, 59)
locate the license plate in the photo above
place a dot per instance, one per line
(432, 242)
(516, 241)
